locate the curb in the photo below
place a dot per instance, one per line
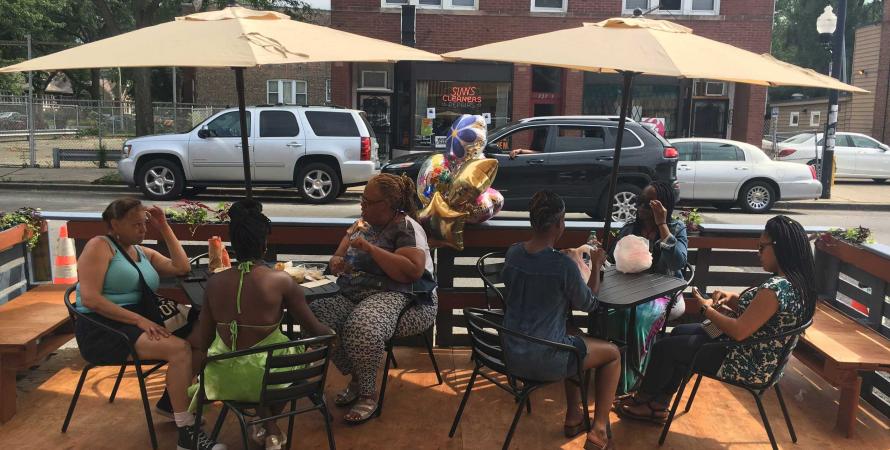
(124, 189)
(833, 206)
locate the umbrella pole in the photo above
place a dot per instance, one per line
(242, 118)
(622, 119)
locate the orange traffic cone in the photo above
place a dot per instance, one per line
(65, 268)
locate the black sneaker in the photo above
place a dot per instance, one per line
(163, 407)
(187, 439)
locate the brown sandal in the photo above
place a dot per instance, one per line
(571, 431)
(590, 445)
(654, 416)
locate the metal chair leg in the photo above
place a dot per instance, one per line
(769, 430)
(244, 431)
(584, 403)
(667, 425)
(290, 423)
(429, 348)
(785, 413)
(463, 402)
(390, 359)
(83, 376)
(117, 383)
(327, 426)
(145, 407)
(219, 422)
(516, 417)
(692, 395)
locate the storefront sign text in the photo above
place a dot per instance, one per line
(462, 96)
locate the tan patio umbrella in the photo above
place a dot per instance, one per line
(233, 37)
(635, 46)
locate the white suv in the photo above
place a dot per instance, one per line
(319, 150)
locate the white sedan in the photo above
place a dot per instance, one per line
(728, 173)
(857, 155)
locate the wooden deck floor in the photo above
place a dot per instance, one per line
(418, 416)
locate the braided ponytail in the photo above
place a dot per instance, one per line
(399, 191)
(795, 257)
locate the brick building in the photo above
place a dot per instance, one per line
(399, 95)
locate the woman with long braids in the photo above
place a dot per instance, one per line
(785, 301)
(243, 308)
(379, 259)
(543, 286)
(668, 245)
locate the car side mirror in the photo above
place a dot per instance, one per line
(492, 148)
(203, 133)
(885, 148)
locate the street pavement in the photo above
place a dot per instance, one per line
(69, 190)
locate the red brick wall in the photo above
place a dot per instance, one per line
(745, 24)
(881, 121)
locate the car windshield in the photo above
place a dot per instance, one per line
(799, 138)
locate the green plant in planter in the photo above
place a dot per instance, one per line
(30, 217)
(195, 214)
(859, 235)
(691, 218)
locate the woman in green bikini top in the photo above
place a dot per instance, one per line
(243, 308)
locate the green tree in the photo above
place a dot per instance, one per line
(796, 40)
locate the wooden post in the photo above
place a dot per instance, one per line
(850, 387)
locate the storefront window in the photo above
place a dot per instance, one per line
(439, 103)
(650, 101)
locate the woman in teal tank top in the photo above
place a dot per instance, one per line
(243, 308)
(109, 292)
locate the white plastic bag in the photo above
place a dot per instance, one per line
(632, 254)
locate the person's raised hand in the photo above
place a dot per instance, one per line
(156, 217)
(659, 212)
(360, 243)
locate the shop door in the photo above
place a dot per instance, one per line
(547, 89)
(378, 111)
(709, 118)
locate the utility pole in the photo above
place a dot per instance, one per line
(837, 69)
(32, 145)
(175, 130)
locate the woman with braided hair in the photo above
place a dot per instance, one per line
(667, 243)
(243, 308)
(542, 287)
(783, 302)
(378, 262)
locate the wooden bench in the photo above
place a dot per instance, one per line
(82, 154)
(838, 348)
(31, 327)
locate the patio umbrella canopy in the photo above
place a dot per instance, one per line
(635, 46)
(233, 37)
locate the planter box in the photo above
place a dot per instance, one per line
(13, 236)
(855, 255)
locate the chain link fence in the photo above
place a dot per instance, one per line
(100, 126)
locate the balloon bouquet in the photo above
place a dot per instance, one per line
(455, 186)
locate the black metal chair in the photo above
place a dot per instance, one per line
(688, 275)
(756, 390)
(490, 273)
(141, 374)
(487, 339)
(295, 377)
(391, 358)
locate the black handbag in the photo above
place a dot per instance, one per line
(162, 311)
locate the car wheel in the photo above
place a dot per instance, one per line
(343, 189)
(161, 179)
(318, 183)
(724, 206)
(757, 197)
(879, 180)
(624, 208)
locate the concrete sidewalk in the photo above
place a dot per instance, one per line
(863, 195)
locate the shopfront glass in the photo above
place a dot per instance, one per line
(439, 103)
(651, 100)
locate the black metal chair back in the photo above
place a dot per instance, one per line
(77, 317)
(286, 379)
(487, 340)
(490, 273)
(755, 389)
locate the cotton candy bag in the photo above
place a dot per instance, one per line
(632, 254)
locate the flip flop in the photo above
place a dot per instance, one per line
(653, 415)
(347, 396)
(365, 408)
(571, 431)
(590, 445)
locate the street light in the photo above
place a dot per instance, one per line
(826, 24)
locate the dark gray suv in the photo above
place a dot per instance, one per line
(572, 157)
